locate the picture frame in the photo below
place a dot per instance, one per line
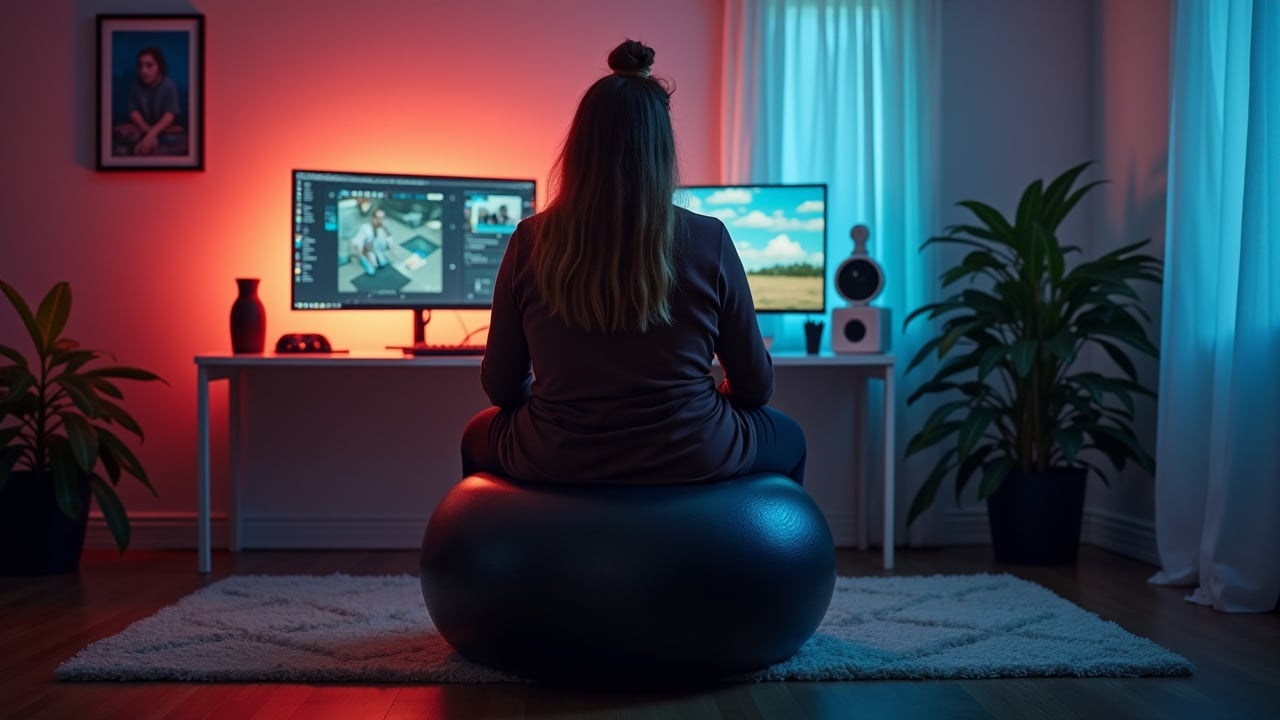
(150, 103)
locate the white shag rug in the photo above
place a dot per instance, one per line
(343, 628)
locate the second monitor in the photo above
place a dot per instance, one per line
(780, 232)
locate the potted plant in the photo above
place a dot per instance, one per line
(1014, 409)
(57, 445)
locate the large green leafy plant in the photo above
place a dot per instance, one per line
(57, 413)
(1010, 394)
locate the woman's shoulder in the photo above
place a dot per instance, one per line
(527, 228)
(703, 231)
(700, 238)
(698, 224)
(526, 233)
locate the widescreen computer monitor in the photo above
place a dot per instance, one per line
(780, 232)
(377, 241)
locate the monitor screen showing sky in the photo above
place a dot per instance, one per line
(780, 234)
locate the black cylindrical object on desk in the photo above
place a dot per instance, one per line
(248, 319)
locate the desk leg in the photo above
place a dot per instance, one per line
(235, 431)
(889, 480)
(204, 558)
(861, 476)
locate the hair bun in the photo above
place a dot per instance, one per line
(632, 56)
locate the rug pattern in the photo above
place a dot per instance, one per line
(342, 628)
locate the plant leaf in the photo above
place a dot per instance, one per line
(24, 312)
(1070, 439)
(1023, 353)
(14, 356)
(1062, 346)
(123, 372)
(1120, 358)
(66, 476)
(112, 412)
(970, 464)
(934, 310)
(972, 430)
(81, 392)
(992, 476)
(109, 462)
(1000, 229)
(954, 335)
(1052, 221)
(113, 511)
(1028, 212)
(1056, 194)
(929, 437)
(930, 388)
(123, 456)
(52, 315)
(923, 353)
(991, 357)
(82, 439)
(929, 490)
(106, 387)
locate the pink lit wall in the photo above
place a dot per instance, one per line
(482, 87)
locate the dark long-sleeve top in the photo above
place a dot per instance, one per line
(628, 407)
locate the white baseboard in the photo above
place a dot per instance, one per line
(177, 531)
(157, 531)
(844, 530)
(1123, 534)
(333, 532)
(965, 526)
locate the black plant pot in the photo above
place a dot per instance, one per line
(1035, 517)
(35, 537)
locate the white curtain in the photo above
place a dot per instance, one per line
(844, 92)
(1218, 436)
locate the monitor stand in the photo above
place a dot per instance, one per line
(421, 316)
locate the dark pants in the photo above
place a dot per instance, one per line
(780, 444)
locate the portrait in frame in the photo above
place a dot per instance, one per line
(150, 92)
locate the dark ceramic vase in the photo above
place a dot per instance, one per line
(36, 538)
(248, 319)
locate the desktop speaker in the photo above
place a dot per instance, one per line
(859, 279)
(303, 343)
(860, 329)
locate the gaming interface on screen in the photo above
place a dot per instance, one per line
(401, 241)
(780, 234)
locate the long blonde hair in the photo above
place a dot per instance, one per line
(603, 254)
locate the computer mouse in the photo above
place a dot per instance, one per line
(303, 343)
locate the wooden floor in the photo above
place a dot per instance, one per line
(43, 621)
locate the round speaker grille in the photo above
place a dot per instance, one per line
(859, 279)
(855, 330)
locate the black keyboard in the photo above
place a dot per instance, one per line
(431, 350)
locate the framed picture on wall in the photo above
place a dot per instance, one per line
(150, 92)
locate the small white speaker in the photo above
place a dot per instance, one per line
(860, 329)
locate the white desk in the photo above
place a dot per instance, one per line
(234, 368)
